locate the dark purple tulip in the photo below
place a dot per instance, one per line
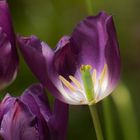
(84, 68)
(30, 117)
(8, 54)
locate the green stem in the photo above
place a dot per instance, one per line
(108, 119)
(96, 122)
(90, 6)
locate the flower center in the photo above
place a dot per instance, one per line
(91, 82)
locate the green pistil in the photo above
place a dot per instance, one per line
(87, 81)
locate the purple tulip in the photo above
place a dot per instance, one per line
(84, 68)
(30, 117)
(8, 53)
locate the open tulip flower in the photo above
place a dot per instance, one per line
(84, 68)
(30, 117)
(8, 54)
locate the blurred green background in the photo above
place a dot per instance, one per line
(50, 20)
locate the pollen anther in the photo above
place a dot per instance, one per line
(66, 83)
(75, 81)
(104, 71)
(94, 76)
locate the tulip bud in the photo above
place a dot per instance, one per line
(30, 117)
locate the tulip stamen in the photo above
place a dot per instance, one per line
(75, 81)
(94, 76)
(66, 83)
(90, 81)
(104, 71)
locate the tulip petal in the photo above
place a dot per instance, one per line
(88, 41)
(61, 118)
(8, 69)
(30, 116)
(34, 97)
(5, 105)
(64, 62)
(39, 58)
(112, 55)
(8, 53)
(19, 123)
(6, 22)
(31, 49)
(94, 42)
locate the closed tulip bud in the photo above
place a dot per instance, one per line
(30, 117)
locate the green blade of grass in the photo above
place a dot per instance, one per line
(126, 113)
(90, 6)
(108, 119)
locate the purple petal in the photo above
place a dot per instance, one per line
(32, 51)
(94, 42)
(34, 97)
(30, 116)
(5, 105)
(64, 62)
(61, 118)
(8, 68)
(39, 58)
(18, 123)
(112, 55)
(88, 45)
(7, 27)
(88, 41)
(8, 54)
(6, 22)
